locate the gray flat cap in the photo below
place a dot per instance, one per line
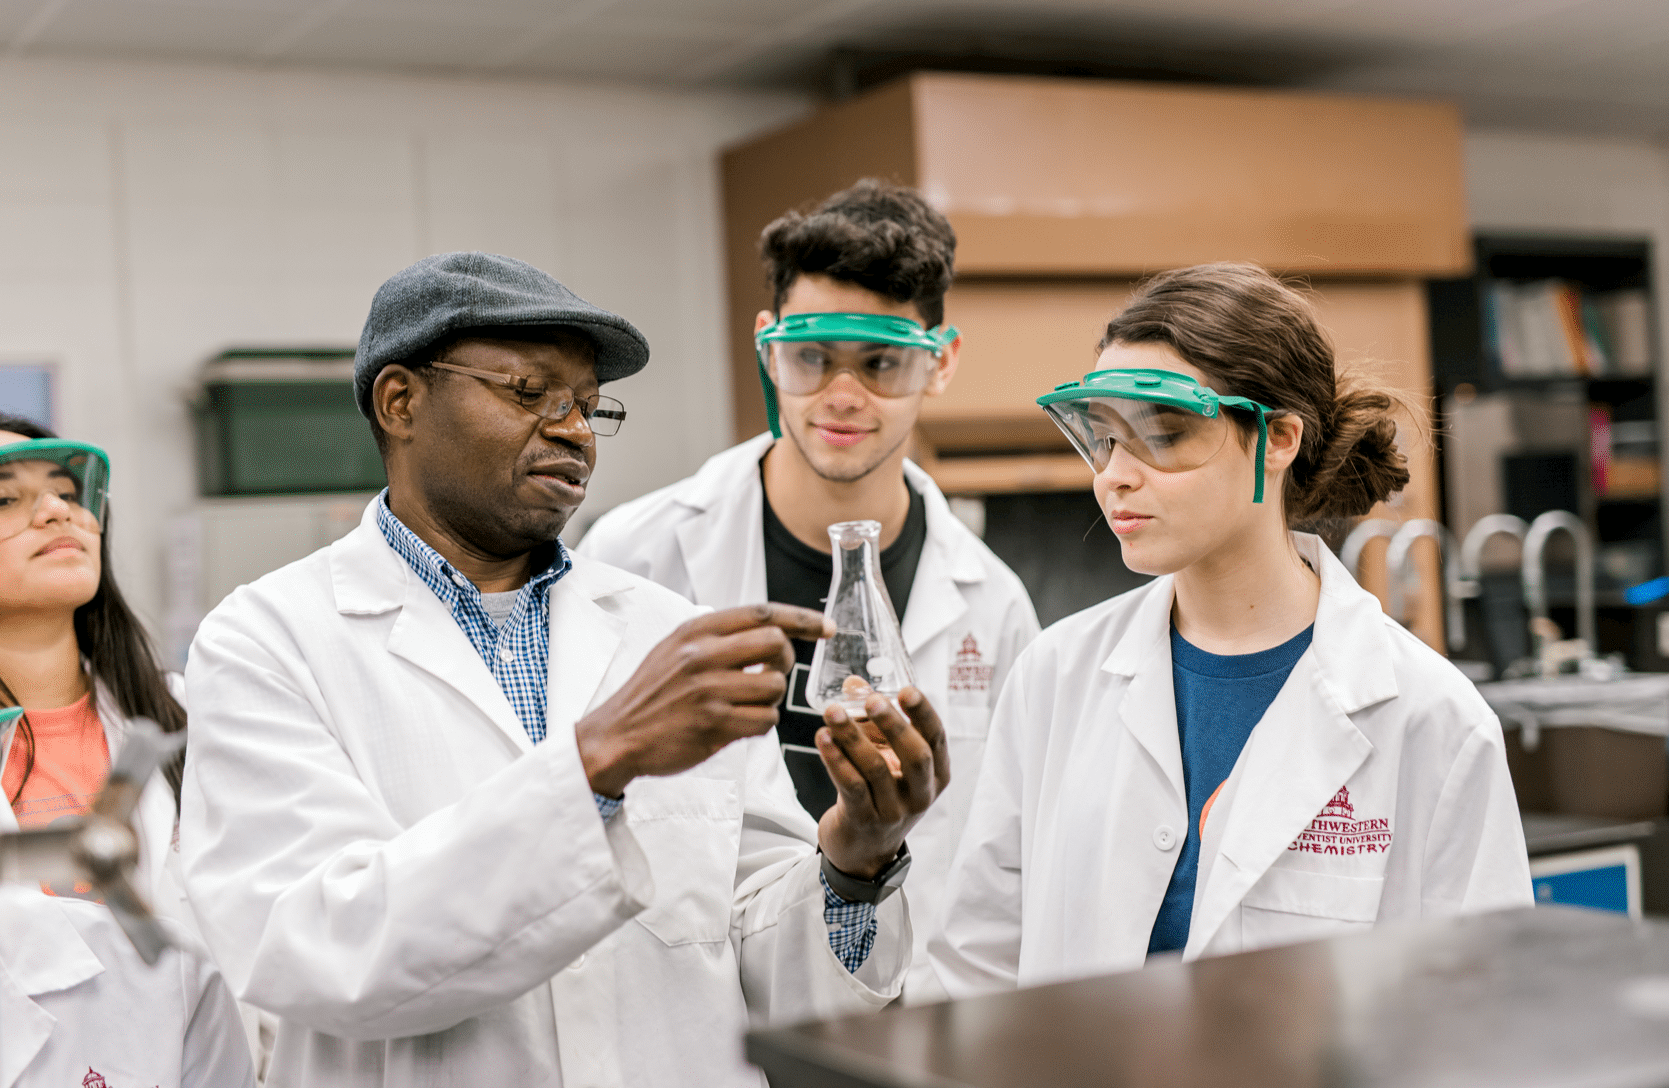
(452, 291)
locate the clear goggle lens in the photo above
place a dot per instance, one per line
(67, 484)
(802, 367)
(1161, 436)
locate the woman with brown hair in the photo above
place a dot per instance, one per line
(1246, 751)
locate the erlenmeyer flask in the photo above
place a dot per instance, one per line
(867, 651)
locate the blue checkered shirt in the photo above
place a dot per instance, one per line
(518, 656)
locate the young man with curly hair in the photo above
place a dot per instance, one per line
(873, 263)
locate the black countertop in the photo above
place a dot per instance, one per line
(1533, 998)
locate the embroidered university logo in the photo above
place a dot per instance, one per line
(1336, 830)
(969, 674)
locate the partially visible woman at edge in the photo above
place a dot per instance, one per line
(1246, 751)
(77, 659)
(77, 1001)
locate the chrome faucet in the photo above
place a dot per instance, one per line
(1400, 571)
(1472, 548)
(1535, 576)
(1350, 552)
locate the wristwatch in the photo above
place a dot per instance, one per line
(854, 890)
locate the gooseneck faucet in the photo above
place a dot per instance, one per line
(1400, 571)
(1472, 548)
(1350, 552)
(1535, 574)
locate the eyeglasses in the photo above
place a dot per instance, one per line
(603, 415)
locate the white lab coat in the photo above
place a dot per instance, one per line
(157, 876)
(1375, 788)
(968, 619)
(379, 855)
(76, 999)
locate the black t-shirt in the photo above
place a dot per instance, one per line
(796, 573)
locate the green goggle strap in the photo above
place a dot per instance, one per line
(770, 389)
(1263, 444)
(876, 328)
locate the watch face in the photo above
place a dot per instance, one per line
(893, 875)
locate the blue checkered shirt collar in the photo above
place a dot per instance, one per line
(516, 653)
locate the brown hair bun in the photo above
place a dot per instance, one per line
(1253, 336)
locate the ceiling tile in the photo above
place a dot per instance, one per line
(156, 29)
(648, 56)
(372, 42)
(15, 15)
(733, 12)
(492, 12)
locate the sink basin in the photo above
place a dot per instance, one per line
(1587, 747)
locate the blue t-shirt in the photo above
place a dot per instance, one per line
(1219, 699)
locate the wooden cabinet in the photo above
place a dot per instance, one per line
(1094, 180)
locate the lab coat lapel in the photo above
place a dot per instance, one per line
(1148, 707)
(947, 563)
(41, 952)
(1304, 748)
(426, 635)
(27, 1027)
(368, 578)
(584, 639)
(724, 544)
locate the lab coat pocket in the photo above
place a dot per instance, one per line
(971, 722)
(1290, 905)
(690, 829)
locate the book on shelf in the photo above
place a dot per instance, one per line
(1557, 329)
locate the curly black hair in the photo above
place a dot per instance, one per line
(882, 237)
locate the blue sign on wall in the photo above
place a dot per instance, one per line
(1600, 889)
(26, 390)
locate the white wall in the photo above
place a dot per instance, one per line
(151, 216)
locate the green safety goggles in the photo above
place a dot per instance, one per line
(802, 353)
(52, 469)
(1166, 420)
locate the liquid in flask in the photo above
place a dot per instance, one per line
(866, 653)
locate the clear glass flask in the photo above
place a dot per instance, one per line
(866, 653)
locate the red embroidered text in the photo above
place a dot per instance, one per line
(1336, 830)
(969, 674)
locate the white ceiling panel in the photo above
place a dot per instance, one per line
(14, 16)
(731, 12)
(155, 29)
(618, 54)
(380, 42)
(517, 12)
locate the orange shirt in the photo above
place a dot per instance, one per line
(71, 762)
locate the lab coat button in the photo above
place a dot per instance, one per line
(1163, 837)
(578, 963)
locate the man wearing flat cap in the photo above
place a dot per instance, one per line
(463, 809)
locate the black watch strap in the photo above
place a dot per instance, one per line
(857, 890)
